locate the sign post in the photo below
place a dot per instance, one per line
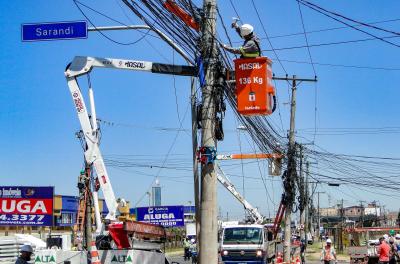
(54, 31)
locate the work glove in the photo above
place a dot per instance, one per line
(234, 25)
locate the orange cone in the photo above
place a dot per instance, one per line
(279, 258)
(94, 254)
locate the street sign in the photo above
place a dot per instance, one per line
(54, 31)
(166, 216)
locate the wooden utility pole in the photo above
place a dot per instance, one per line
(288, 183)
(208, 217)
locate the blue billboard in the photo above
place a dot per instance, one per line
(166, 216)
(26, 206)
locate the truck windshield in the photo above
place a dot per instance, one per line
(242, 235)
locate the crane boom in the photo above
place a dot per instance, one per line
(84, 65)
(223, 179)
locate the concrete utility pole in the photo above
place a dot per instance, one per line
(303, 198)
(289, 185)
(319, 217)
(209, 226)
(195, 160)
(307, 207)
(362, 212)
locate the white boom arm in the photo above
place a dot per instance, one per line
(254, 213)
(83, 65)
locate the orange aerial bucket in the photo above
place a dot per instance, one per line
(254, 90)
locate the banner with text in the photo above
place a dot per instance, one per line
(26, 206)
(166, 216)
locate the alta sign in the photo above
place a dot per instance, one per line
(125, 257)
(45, 259)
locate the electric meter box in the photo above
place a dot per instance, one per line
(254, 89)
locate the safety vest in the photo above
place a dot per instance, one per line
(249, 54)
(254, 54)
(328, 253)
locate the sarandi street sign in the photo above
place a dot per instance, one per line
(54, 31)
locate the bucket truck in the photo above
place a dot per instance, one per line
(118, 232)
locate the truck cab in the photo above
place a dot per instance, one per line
(247, 244)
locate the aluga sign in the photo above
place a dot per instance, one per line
(26, 206)
(167, 216)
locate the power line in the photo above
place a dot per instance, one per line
(344, 65)
(104, 35)
(350, 19)
(323, 12)
(332, 43)
(266, 34)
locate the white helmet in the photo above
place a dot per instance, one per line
(27, 248)
(397, 236)
(328, 241)
(386, 236)
(246, 29)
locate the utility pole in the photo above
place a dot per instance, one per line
(319, 217)
(307, 207)
(195, 160)
(362, 213)
(208, 233)
(291, 173)
(303, 197)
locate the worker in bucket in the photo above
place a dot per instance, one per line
(328, 254)
(251, 46)
(26, 253)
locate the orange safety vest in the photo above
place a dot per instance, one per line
(327, 253)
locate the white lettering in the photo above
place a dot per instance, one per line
(24, 206)
(4, 208)
(39, 206)
(38, 32)
(250, 66)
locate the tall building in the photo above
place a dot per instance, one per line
(156, 194)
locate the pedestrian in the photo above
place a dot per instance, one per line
(26, 254)
(328, 254)
(251, 45)
(383, 251)
(186, 248)
(303, 247)
(393, 255)
(397, 241)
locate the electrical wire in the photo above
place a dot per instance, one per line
(101, 33)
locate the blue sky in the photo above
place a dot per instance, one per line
(38, 121)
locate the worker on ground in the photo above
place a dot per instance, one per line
(26, 253)
(391, 234)
(251, 46)
(393, 255)
(303, 247)
(383, 251)
(397, 241)
(328, 254)
(386, 237)
(186, 247)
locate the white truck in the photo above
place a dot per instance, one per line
(247, 244)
